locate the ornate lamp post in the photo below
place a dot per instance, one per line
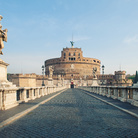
(102, 73)
(43, 75)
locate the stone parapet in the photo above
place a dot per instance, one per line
(13, 96)
(124, 94)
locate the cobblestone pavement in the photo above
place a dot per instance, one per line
(5, 114)
(73, 114)
(124, 105)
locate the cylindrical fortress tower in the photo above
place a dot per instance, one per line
(73, 63)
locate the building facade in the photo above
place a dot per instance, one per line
(72, 63)
(71, 66)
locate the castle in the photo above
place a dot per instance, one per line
(72, 63)
(71, 66)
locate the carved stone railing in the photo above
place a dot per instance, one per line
(13, 97)
(125, 94)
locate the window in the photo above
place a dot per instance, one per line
(69, 54)
(94, 60)
(64, 54)
(72, 58)
(79, 54)
(74, 54)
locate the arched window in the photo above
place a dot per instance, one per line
(69, 54)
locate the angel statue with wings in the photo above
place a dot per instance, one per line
(3, 36)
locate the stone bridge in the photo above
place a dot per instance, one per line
(69, 113)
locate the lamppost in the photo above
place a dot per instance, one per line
(102, 73)
(43, 75)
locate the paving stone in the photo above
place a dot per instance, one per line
(73, 114)
(5, 114)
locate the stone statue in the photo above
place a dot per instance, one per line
(51, 71)
(94, 72)
(3, 36)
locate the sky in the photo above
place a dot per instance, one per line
(39, 29)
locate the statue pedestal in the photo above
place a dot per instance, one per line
(95, 82)
(3, 70)
(4, 83)
(8, 95)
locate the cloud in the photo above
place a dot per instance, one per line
(133, 39)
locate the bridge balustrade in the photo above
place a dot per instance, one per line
(13, 97)
(125, 94)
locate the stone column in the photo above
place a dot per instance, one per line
(135, 96)
(24, 96)
(97, 90)
(103, 91)
(115, 91)
(109, 92)
(46, 91)
(37, 93)
(31, 94)
(124, 95)
(1, 99)
(106, 91)
(42, 91)
(51, 89)
(100, 92)
(54, 90)
(94, 89)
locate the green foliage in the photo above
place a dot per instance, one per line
(136, 77)
(132, 78)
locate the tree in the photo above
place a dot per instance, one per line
(136, 77)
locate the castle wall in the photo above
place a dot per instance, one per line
(20, 80)
(72, 62)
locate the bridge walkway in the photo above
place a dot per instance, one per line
(73, 113)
